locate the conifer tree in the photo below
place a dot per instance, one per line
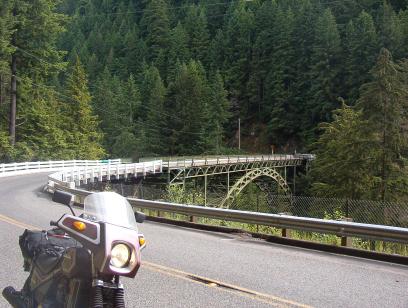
(216, 51)
(218, 113)
(155, 130)
(108, 96)
(179, 50)
(6, 49)
(361, 47)
(345, 157)
(325, 69)
(42, 130)
(282, 124)
(135, 52)
(156, 26)
(126, 142)
(390, 33)
(84, 130)
(237, 66)
(265, 27)
(198, 35)
(6, 31)
(189, 98)
(384, 102)
(35, 30)
(302, 41)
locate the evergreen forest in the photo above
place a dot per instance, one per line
(91, 79)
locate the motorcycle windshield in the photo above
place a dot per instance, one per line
(110, 207)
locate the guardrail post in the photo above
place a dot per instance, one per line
(286, 232)
(192, 219)
(346, 241)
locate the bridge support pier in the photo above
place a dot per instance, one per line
(228, 182)
(205, 190)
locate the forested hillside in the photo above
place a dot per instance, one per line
(97, 78)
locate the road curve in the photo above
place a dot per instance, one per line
(189, 268)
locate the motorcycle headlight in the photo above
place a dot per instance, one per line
(120, 255)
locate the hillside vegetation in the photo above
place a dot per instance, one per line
(99, 78)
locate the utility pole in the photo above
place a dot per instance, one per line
(239, 133)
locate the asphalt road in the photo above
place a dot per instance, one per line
(242, 272)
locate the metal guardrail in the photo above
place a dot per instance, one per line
(339, 228)
(39, 166)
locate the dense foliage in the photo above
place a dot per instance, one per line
(173, 77)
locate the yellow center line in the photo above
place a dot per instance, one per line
(17, 223)
(211, 283)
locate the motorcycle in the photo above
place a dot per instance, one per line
(79, 262)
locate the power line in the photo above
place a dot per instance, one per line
(36, 57)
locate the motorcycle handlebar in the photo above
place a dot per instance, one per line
(53, 223)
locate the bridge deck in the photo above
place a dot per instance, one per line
(273, 160)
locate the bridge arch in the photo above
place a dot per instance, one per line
(250, 176)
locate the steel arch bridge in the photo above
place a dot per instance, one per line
(249, 177)
(247, 168)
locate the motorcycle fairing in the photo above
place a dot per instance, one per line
(109, 236)
(92, 233)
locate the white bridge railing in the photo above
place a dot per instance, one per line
(74, 176)
(39, 166)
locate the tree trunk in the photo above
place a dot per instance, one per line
(1, 90)
(13, 101)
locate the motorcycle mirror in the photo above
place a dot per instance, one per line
(64, 198)
(140, 217)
